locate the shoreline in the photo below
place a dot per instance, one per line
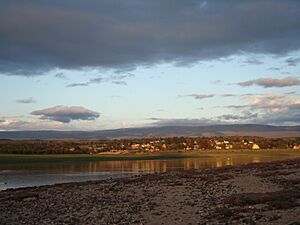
(259, 193)
(23, 158)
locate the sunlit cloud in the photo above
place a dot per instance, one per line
(272, 82)
(66, 114)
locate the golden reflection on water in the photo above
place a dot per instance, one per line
(167, 165)
(140, 165)
(36, 174)
(256, 160)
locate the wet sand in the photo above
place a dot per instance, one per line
(265, 193)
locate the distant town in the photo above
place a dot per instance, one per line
(150, 145)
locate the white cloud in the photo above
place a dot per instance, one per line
(273, 102)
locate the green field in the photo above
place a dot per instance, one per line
(12, 158)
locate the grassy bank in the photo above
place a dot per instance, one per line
(146, 156)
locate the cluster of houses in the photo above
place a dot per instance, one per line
(162, 145)
(185, 144)
(148, 147)
(296, 147)
(154, 144)
(218, 145)
(225, 144)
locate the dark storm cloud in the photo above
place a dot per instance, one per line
(272, 82)
(40, 35)
(66, 114)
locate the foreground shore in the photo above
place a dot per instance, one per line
(267, 193)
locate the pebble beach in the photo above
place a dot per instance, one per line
(262, 193)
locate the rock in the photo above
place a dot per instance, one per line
(28, 199)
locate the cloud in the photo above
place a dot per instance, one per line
(291, 93)
(253, 61)
(203, 5)
(272, 82)
(281, 119)
(245, 116)
(119, 82)
(275, 68)
(60, 76)
(182, 122)
(203, 96)
(236, 106)
(268, 108)
(248, 94)
(11, 123)
(229, 95)
(113, 79)
(38, 36)
(66, 114)
(274, 108)
(199, 96)
(29, 123)
(272, 102)
(78, 85)
(293, 61)
(217, 82)
(32, 122)
(26, 100)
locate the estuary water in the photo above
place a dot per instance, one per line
(37, 174)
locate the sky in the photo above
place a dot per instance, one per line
(106, 64)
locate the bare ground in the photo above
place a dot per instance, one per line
(267, 193)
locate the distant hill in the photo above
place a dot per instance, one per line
(167, 131)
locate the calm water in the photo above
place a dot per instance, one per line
(36, 174)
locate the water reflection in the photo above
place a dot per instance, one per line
(31, 174)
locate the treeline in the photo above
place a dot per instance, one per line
(40, 147)
(143, 145)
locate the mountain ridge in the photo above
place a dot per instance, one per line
(160, 131)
